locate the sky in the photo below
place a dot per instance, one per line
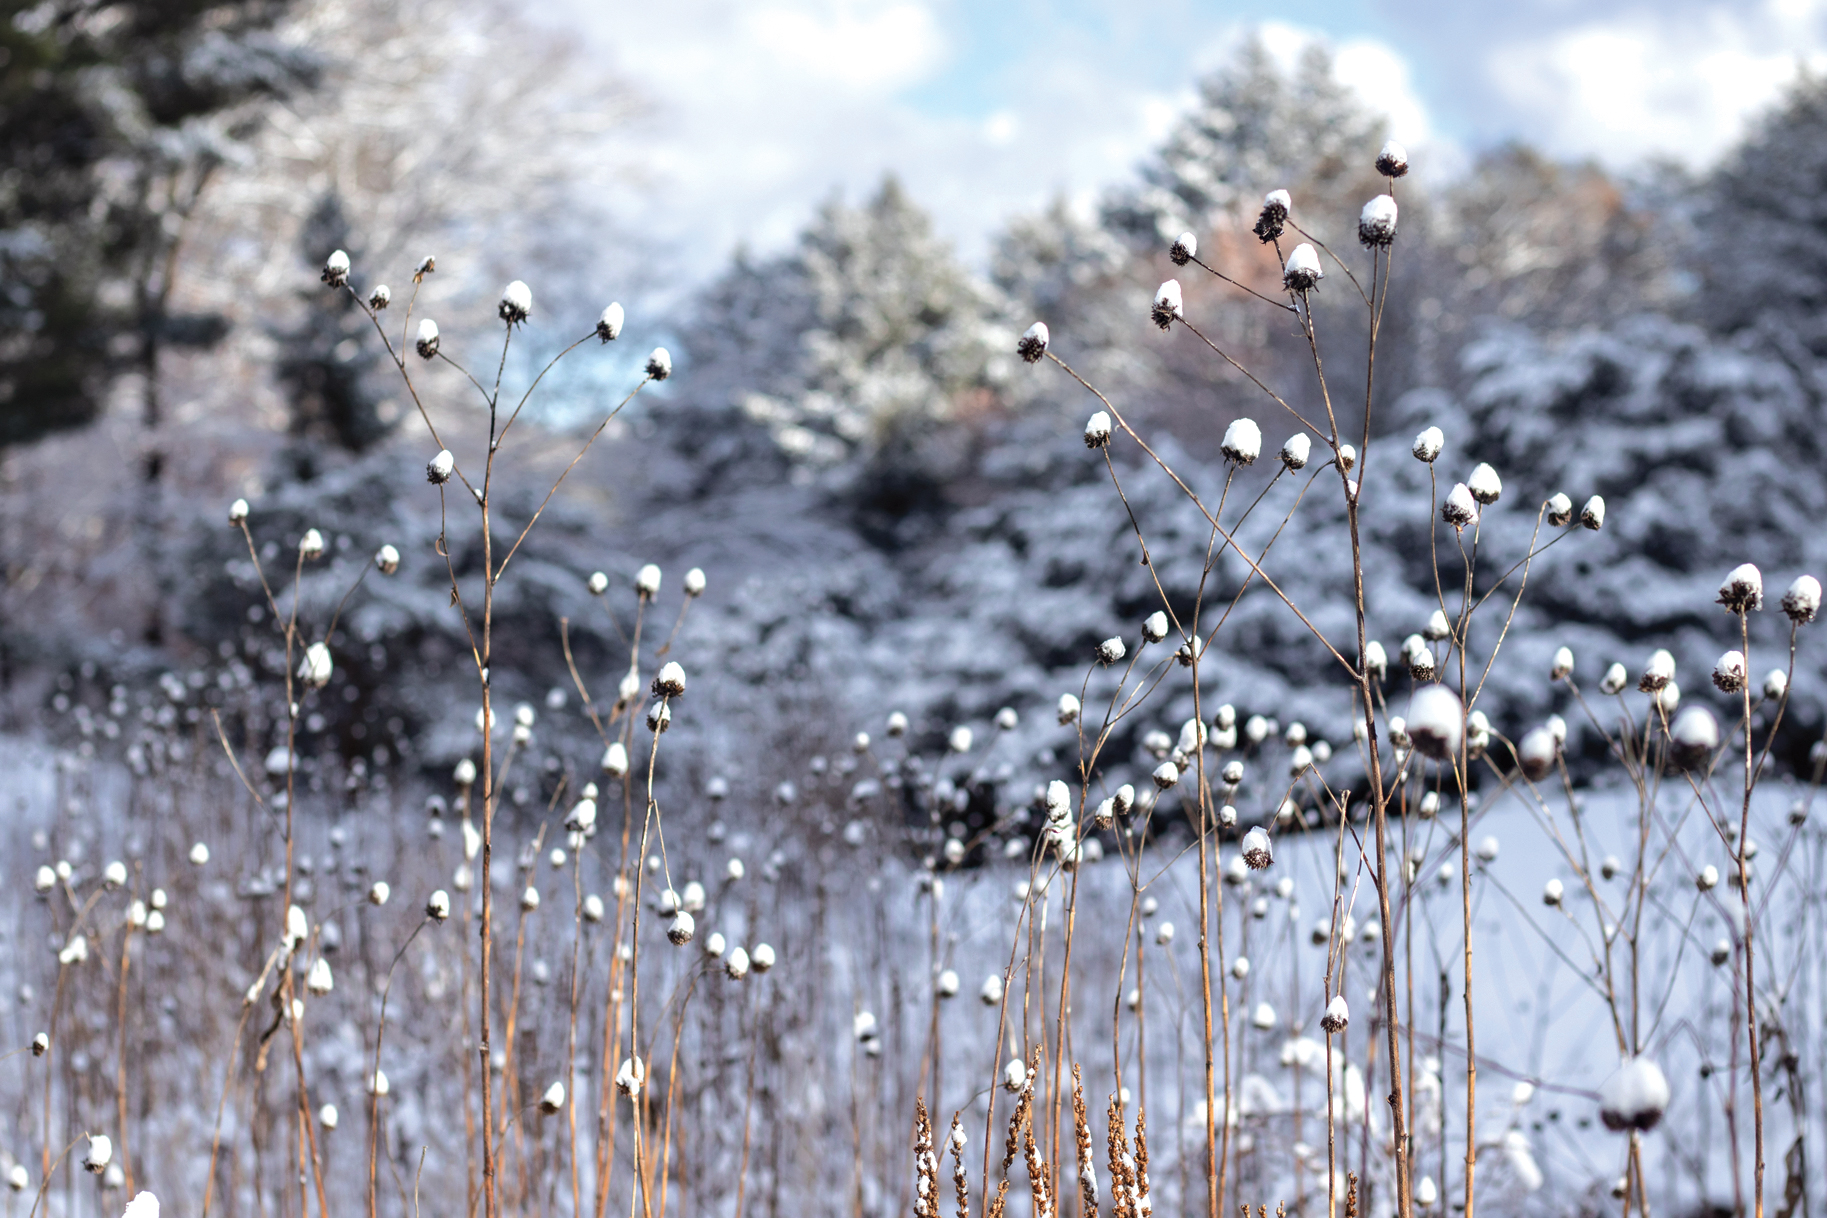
(754, 111)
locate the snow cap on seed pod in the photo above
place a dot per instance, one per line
(1302, 272)
(1485, 485)
(1377, 222)
(316, 666)
(659, 364)
(670, 683)
(762, 958)
(1707, 878)
(714, 945)
(1058, 801)
(427, 342)
(1242, 441)
(1347, 457)
(1068, 708)
(1552, 892)
(630, 1077)
(1111, 650)
(438, 907)
(1015, 1075)
(733, 870)
(75, 950)
(1776, 684)
(1167, 305)
(947, 984)
(463, 878)
(1563, 664)
(439, 468)
(1376, 660)
(1232, 774)
(597, 584)
(1430, 805)
(1487, 850)
(1033, 342)
(1610, 866)
(1803, 599)
(1436, 721)
(1743, 589)
(1154, 626)
(1593, 514)
(1634, 1097)
(297, 928)
(311, 545)
(1337, 1015)
(593, 908)
(695, 582)
(1427, 1193)
(736, 964)
(659, 717)
(318, 980)
(1615, 679)
(516, 303)
(155, 922)
(1263, 1017)
(387, 559)
(336, 269)
(1428, 444)
(328, 1117)
(1557, 728)
(1164, 933)
(199, 854)
(609, 325)
(1694, 736)
(615, 759)
(1184, 249)
(1419, 658)
(1166, 775)
(1537, 752)
(1658, 672)
(1477, 733)
(1006, 719)
(1560, 510)
(114, 874)
(1729, 672)
(553, 1099)
(1097, 430)
(101, 1150)
(1438, 628)
(1458, 508)
(960, 739)
(647, 581)
(681, 929)
(1722, 952)
(1226, 718)
(991, 991)
(378, 893)
(1275, 208)
(1295, 452)
(1257, 851)
(582, 817)
(897, 724)
(529, 900)
(41, 1045)
(1392, 161)
(237, 511)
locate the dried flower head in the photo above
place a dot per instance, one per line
(1242, 442)
(1097, 430)
(439, 469)
(1459, 509)
(659, 364)
(1743, 589)
(1296, 451)
(316, 667)
(336, 269)
(1392, 161)
(1111, 650)
(1033, 342)
(1693, 737)
(1257, 850)
(1428, 444)
(1377, 223)
(1436, 722)
(631, 1077)
(516, 303)
(1729, 672)
(553, 1099)
(1303, 271)
(1658, 672)
(1337, 1015)
(1803, 599)
(1593, 514)
(1269, 224)
(380, 298)
(680, 930)
(1560, 510)
(609, 325)
(437, 908)
(427, 342)
(670, 683)
(1634, 1097)
(1167, 306)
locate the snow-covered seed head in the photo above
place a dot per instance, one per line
(659, 717)
(336, 269)
(1111, 650)
(516, 303)
(1743, 589)
(1536, 753)
(318, 980)
(1376, 660)
(1154, 627)
(529, 900)
(297, 928)
(439, 469)
(1658, 672)
(1097, 430)
(1427, 1193)
(947, 983)
(1242, 442)
(1257, 850)
(736, 964)
(553, 1099)
(1707, 879)
(1459, 509)
(199, 854)
(695, 583)
(630, 1077)
(379, 892)
(1693, 737)
(1275, 207)
(1436, 722)
(1033, 342)
(1428, 444)
(1240, 967)
(114, 874)
(960, 739)
(387, 560)
(328, 1117)
(44, 881)
(237, 513)
(1552, 892)
(1167, 307)
(1392, 161)
(427, 342)
(101, 1150)
(1184, 249)
(41, 1044)
(1232, 774)
(1438, 628)
(1164, 934)
(1263, 1017)
(615, 760)
(1006, 719)
(1302, 272)
(1166, 775)
(1593, 514)
(1068, 708)
(1615, 679)
(1337, 1015)
(670, 683)
(609, 325)
(1015, 1075)
(1377, 222)
(1776, 684)
(593, 908)
(316, 666)
(762, 958)
(1634, 1097)
(437, 908)
(1058, 802)
(659, 364)
(380, 297)
(1803, 599)
(1296, 451)
(311, 545)
(680, 931)
(1729, 672)
(1560, 510)
(647, 581)
(991, 991)
(1486, 486)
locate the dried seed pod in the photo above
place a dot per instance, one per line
(516, 303)
(736, 964)
(1803, 599)
(1536, 753)
(378, 892)
(1337, 1015)
(1560, 510)
(437, 908)
(1707, 878)
(1033, 342)
(529, 900)
(1164, 934)
(1615, 679)
(670, 683)
(101, 1150)
(1776, 684)
(1658, 672)
(1242, 442)
(1485, 485)
(1392, 161)
(1097, 430)
(1562, 666)
(680, 931)
(762, 958)
(1377, 223)
(1166, 308)
(318, 980)
(659, 364)
(1428, 444)
(1459, 509)
(659, 717)
(1302, 272)
(1257, 850)
(336, 274)
(630, 1077)
(1436, 722)
(947, 984)
(1743, 589)
(426, 344)
(327, 1116)
(1275, 208)
(1263, 1017)
(1693, 737)
(1593, 514)
(1729, 672)
(1184, 249)
(1166, 775)
(1552, 892)
(609, 325)
(237, 511)
(1111, 650)
(1232, 774)
(1634, 1097)
(1296, 451)
(438, 470)
(553, 1099)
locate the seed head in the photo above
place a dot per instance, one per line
(736, 964)
(1459, 509)
(1693, 737)
(1167, 308)
(438, 907)
(328, 1117)
(1258, 852)
(1803, 599)
(199, 854)
(439, 469)
(1560, 510)
(387, 560)
(1303, 271)
(1729, 672)
(659, 364)
(1097, 431)
(1337, 1015)
(1242, 442)
(336, 270)
(680, 931)
(1743, 589)
(1428, 444)
(1392, 161)
(101, 1150)
(553, 1099)
(1658, 672)
(1776, 684)
(1232, 774)
(630, 1078)
(380, 298)
(1593, 514)
(516, 303)
(318, 980)
(1295, 452)
(1111, 650)
(237, 511)
(1536, 753)
(1184, 249)
(609, 325)
(1485, 485)
(1275, 208)
(1634, 1097)
(1436, 722)
(694, 582)
(1377, 223)
(379, 892)
(671, 681)
(1707, 879)
(1164, 934)
(1033, 342)
(427, 343)
(762, 958)
(1263, 1017)
(1166, 775)
(315, 669)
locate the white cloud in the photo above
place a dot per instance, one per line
(861, 46)
(1678, 84)
(1373, 69)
